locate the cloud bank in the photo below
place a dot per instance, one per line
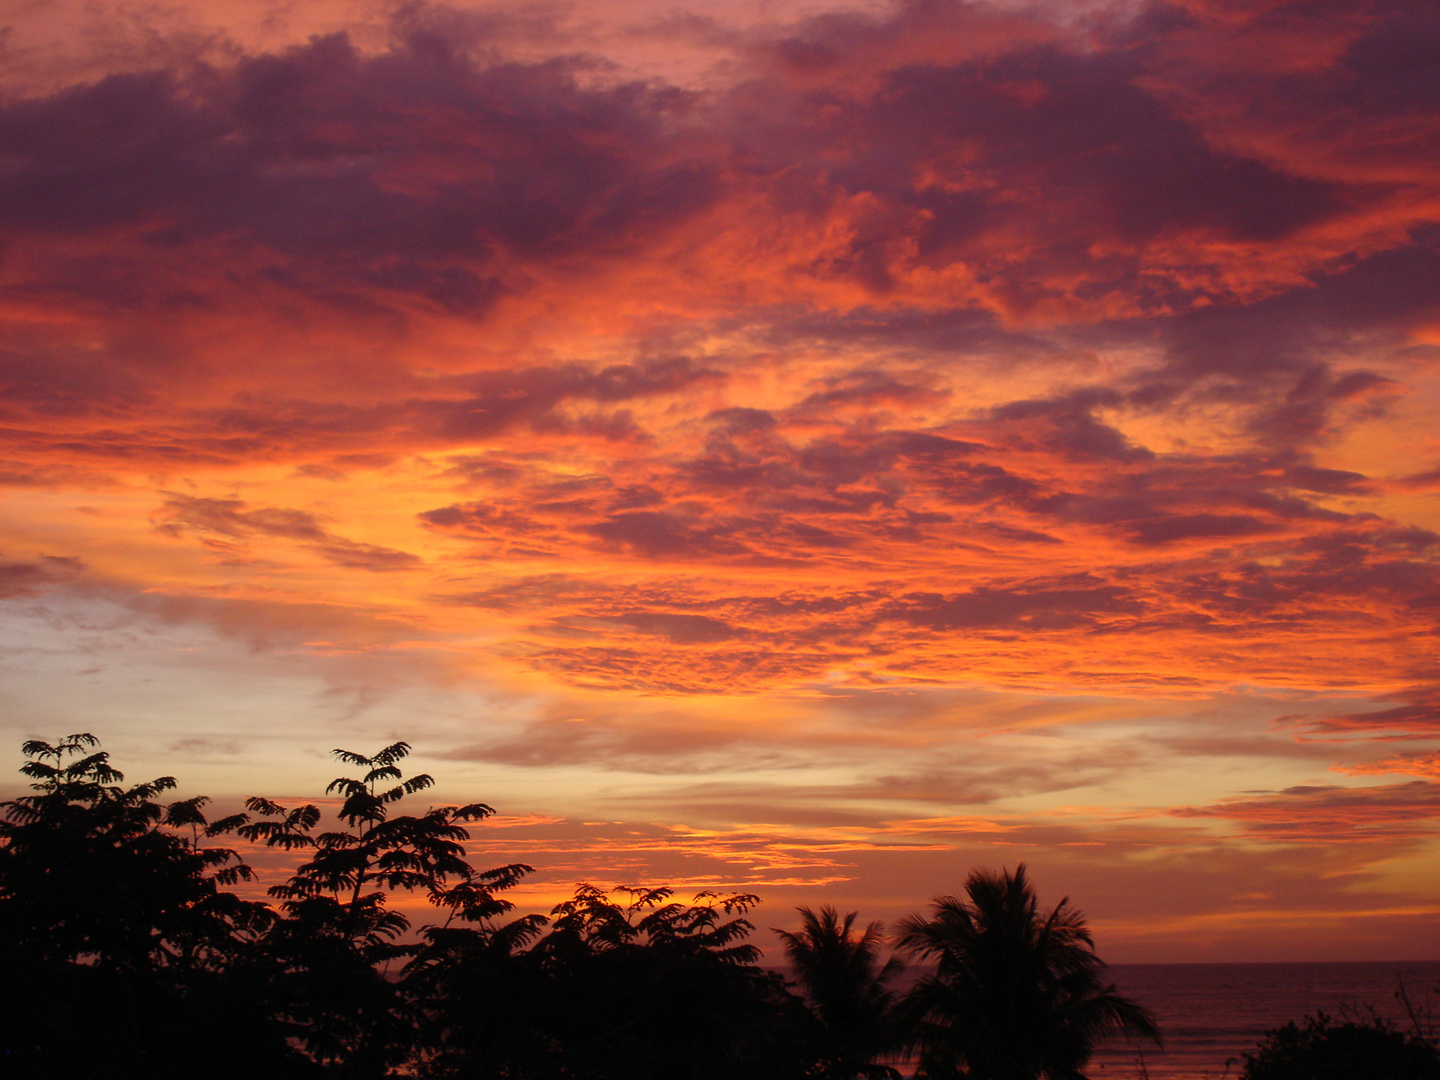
(815, 401)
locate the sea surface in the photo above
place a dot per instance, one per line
(1211, 1014)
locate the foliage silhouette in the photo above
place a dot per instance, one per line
(486, 1001)
(339, 936)
(1322, 1049)
(1016, 994)
(407, 852)
(126, 955)
(853, 1021)
(112, 925)
(617, 986)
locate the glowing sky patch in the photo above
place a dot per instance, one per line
(813, 448)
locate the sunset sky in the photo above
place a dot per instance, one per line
(808, 448)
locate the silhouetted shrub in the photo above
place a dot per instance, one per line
(1322, 1049)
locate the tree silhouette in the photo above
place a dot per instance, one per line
(126, 955)
(339, 935)
(1016, 994)
(407, 852)
(621, 984)
(89, 870)
(847, 989)
(121, 954)
(488, 1004)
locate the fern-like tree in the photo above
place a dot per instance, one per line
(853, 1022)
(1017, 993)
(379, 852)
(339, 933)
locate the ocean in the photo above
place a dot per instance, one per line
(1211, 1013)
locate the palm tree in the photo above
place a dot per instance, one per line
(1016, 994)
(847, 989)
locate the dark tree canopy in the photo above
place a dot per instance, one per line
(122, 955)
(126, 955)
(1320, 1048)
(624, 983)
(338, 934)
(1017, 993)
(853, 1024)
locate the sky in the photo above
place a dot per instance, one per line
(802, 448)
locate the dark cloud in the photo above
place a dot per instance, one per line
(358, 556)
(480, 519)
(1192, 526)
(1083, 127)
(38, 378)
(229, 518)
(1417, 717)
(1340, 574)
(459, 409)
(26, 578)
(122, 150)
(37, 474)
(1035, 605)
(1395, 58)
(1280, 356)
(1330, 814)
(663, 534)
(1328, 481)
(406, 167)
(1089, 160)
(869, 389)
(1164, 499)
(210, 518)
(496, 401)
(1069, 426)
(687, 629)
(1422, 481)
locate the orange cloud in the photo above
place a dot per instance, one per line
(923, 428)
